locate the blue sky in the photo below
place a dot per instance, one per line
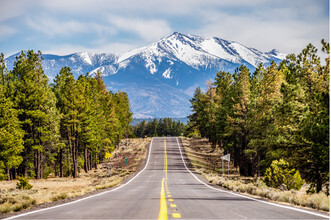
(67, 26)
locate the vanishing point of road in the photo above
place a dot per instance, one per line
(166, 189)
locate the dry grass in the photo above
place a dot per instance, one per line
(318, 201)
(199, 150)
(204, 157)
(56, 189)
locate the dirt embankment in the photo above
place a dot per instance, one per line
(129, 157)
(206, 159)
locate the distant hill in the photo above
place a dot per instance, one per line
(138, 120)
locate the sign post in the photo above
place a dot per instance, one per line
(222, 168)
(108, 156)
(227, 158)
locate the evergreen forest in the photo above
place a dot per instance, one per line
(60, 127)
(161, 127)
(276, 112)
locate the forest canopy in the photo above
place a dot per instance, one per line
(57, 128)
(159, 128)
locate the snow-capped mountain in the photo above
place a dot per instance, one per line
(198, 52)
(160, 78)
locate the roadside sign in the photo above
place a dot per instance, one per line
(107, 155)
(226, 157)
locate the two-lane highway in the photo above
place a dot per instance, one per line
(165, 188)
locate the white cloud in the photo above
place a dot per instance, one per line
(286, 25)
(276, 28)
(190, 90)
(54, 27)
(50, 26)
(12, 9)
(148, 29)
(117, 48)
(65, 49)
(6, 31)
(169, 7)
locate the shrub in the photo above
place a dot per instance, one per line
(59, 197)
(195, 134)
(279, 173)
(11, 200)
(251, 188)
(28, 203)
(47, 172)
(295, 181)
(17, 207)
(5, 208)
(23, 183)
(319, 201)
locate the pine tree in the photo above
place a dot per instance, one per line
(262, 115)
(59, 87)
(71, 105)
(237, 126)
(153, 128)
(210, 110)
(315, 125)
(224, 92)
(303, 117)
(34, 100)
(11, 134)
(198, 118)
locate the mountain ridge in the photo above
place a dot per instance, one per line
(162, 75)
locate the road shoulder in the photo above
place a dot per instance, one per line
(202, 178)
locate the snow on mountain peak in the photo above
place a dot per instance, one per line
(166, 74)
(131, 53)
(85, 57)
(216, 47)
(277, 54)
(195, 51)
(199, 53)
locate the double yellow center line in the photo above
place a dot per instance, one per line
(163, 214)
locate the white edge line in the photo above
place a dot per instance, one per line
(79, 200)
(247, 197)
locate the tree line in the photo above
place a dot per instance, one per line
(277, 112)
(58, 128)
(161, 127)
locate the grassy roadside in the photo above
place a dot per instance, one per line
(56, 189)
(206, 161)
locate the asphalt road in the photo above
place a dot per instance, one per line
(165, 188)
